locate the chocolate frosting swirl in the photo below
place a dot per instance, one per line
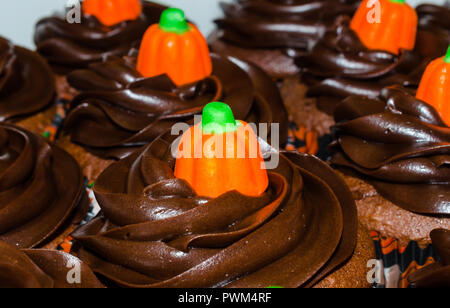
(402, 147)
(437, 274)
(434, 30)
(40, 186)
(285, 24)
(340, 65)
(26, 82)
(30, 268)
(69, 46)
(118, 110)
(156, 232)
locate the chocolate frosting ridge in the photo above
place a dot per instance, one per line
(281, 24)
(29, 268)
(437, 274)
(434, 15)
(402, 147)
(433, 36)
(156, 232)
(118, 110)
(26, 82)
(69, 46)
(340, 65)
(40, 186)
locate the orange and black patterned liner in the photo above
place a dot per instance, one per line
(409, 259)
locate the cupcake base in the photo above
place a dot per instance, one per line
(38, 122)
(63, 89)
(91, 165)
(277, 64)
(353, 274)
(377, 213)
(303, 110)
(70, 226)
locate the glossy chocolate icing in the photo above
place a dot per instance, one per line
(40, 186)
(433, 36)
(118, 110)
(29, 268)
(69, 46)
(156, 232)
(340, 65)
(437, 274)
(398, 144)
(283, 24)
(26, 82)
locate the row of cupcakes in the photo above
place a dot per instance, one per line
(283, 195)
(394, 141)
(124, 103)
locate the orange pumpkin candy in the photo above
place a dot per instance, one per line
(176, 48)
(434, 88)
(228, 155)
(393, 29)
(111, 12)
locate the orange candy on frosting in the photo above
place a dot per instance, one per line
(388, 25)
(434, 88)
(176, 48)
(209, 156)
(111, 12)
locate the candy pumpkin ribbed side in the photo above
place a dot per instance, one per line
(176, 48)
(434, 88)
(396, 28)
(111, 12)
(213, 176)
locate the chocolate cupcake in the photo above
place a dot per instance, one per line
(394, 151)
(30, 268)
(27, 88)
(268, 33)
(73, 45)
(436, 275)
(42, 194)
(340, 65)
(351, 60)
(157, 231)
(119, 109)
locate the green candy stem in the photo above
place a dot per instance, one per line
(398, 1)
(218, 118)
(173, 20)
(447, 56)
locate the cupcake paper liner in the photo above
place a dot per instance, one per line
(394, 263)
(93, 211)
(52, 131)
